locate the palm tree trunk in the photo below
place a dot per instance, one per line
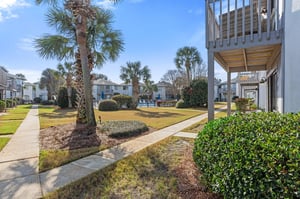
(136, 91)
(80, 100)
(82, 42)
(69, 90)
(80, 12)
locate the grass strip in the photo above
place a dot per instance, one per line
(146, 174)
(3, 142)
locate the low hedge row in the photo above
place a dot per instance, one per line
(124, 128)
(253, 155)
(2, 105)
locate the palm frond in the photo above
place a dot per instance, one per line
(54, 46)
(61, 20)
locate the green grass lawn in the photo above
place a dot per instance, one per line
(10, 122)
(154, 117)
(150, 173)
(3, 142)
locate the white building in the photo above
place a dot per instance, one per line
(31, 91)
(105, 89)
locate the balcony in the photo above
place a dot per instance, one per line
(248, 78)
(244, 35)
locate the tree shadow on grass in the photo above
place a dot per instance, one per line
(57, 114)
(149, 114)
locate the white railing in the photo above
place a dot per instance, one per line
(227, 19)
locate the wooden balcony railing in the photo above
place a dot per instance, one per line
(248, 77)
(227, 19)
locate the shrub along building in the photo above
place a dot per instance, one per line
(105, 89)
(256, 35)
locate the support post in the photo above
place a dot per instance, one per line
(211, 90)
(228, 93)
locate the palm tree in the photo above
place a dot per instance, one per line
(67, 71)
(149, 87)
(187, 58)
(89, 48)
(51, 80)
(133, 73)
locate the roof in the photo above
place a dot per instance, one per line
(2, 67)
(104, 82)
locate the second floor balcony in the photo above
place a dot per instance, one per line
(248, 77)
(245, 35)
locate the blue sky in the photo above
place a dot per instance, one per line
(153, 30)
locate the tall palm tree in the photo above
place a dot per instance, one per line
(133, 73)
(90, 47)
(67, 71)
(51, 80)
(187, 58)
(149, 87)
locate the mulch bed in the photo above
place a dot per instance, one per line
(74, 136)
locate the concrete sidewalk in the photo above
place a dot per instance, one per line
(19, 176)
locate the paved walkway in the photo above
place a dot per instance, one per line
(19, 177)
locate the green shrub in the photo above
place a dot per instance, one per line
(37, 100)
(108, 105)
(123, 100)
(10, 103)
(251, 155)
(48, 102)
(196, 94)
(241, 104)
(180, 104)
(2, 105)
(122, 129)
(169, 103)
(62, 99)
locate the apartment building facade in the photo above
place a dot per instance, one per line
(256, 35)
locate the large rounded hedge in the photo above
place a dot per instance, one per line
(108, 105)
(253, 155)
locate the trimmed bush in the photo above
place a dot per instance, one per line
(169, 103)
(2, 105)
(180, 104)
(37, 100)
(122, 129)
(196, 94)
(62, 100)
(48, 102)
(10, 103)
(123, 100)
(241, 104)
(253, 155)
(108, 105)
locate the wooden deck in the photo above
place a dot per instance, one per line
(248, 59)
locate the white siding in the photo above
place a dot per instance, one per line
(292, 58)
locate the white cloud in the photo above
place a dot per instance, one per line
(106, 4)
(7, 6)
(26, 44)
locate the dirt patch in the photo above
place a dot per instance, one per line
(189, 185)
(75, 136)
